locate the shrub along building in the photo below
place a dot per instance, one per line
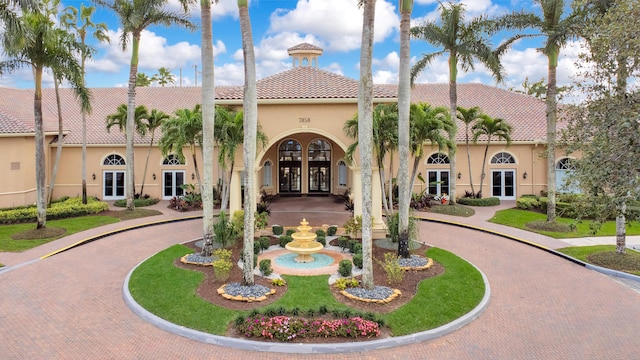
(302, 111)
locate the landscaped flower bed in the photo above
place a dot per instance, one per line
(285, 328)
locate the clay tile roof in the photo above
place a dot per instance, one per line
(526, 114)
(311, 83)
(304, 46)
(16, 112)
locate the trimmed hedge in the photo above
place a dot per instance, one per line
(137, 202)
(490, 201)
(277, 229)
(527, 203)
(59, 210)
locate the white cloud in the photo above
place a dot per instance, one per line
(221, 9)
(154, 53)
(385, 77)
(392, 60)
(338, 23)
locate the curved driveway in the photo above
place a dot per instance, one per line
(70, 306)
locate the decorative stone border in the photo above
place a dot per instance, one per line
(185, 261)
(418, 268)
(242, 298)
(391, 297)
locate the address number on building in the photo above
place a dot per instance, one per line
(304, 120)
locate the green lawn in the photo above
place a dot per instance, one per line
(72, 226)
(440, 300)
(519, 218)
(27, 238)
(605, 256)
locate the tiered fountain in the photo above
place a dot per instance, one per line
(304, 243)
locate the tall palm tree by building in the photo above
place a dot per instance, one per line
(135, 16)
(489, 128)
(469, 117)
(208, 125)
(34, 43)
(180, 131)
(229, 132)
(365, 138)
(250, 107)
(464, 42)
(152, 122)
(404, 100)
(81, 24)
(429, 125)
(557, 29)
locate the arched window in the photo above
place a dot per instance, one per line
(113, 160)
(342, 173)
(503, 158)
(438, 159)
(290, 150)
(172, 159)
(267, 174)
(566, 164)
(319, 150)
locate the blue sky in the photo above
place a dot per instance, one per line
(334, 25)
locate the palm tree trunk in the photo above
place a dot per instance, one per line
(146, 163)
(84, 140)
(484, 162)
(195, 163)
(130, 126)
(414, 173)
(208, 121)
(383, 186)
(390, 187)
(621, 234)
(54, 172)
(40, 157)
(250, 130)
(365, 139)
(473, 190)
(405, 185)
(551, 136)
(453, 102)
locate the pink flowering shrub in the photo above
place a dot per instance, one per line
(285, 328)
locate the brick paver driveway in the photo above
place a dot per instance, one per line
(70, 306)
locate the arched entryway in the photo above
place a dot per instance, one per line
(319, 164)
(290, 167)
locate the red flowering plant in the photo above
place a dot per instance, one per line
(285, 328)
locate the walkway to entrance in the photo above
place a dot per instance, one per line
(318, 210)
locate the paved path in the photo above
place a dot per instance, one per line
(69, 306)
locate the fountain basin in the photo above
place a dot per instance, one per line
(304, 249)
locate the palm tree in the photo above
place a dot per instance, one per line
(83, 25)
(36, 46)
(557, 30)
(152, 122)
(468, 117)
(428, 125)
(489, 127)
(164, 77)
(10, 19)
(250, 106)
(385, 136)
(135, 16)
(182, 130)
(465, 42)
(404, 101)
(208, 125)
(143, 80)
(229, 132)
(119, 119)
(365, 137)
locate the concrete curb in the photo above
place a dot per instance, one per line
(304, 348)
(599, 269)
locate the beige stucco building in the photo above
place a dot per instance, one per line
(302, 111)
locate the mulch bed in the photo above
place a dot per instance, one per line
(208, 288)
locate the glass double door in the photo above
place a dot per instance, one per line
(113, 185)
(290, 178)
(503, 184)
(319, 178)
